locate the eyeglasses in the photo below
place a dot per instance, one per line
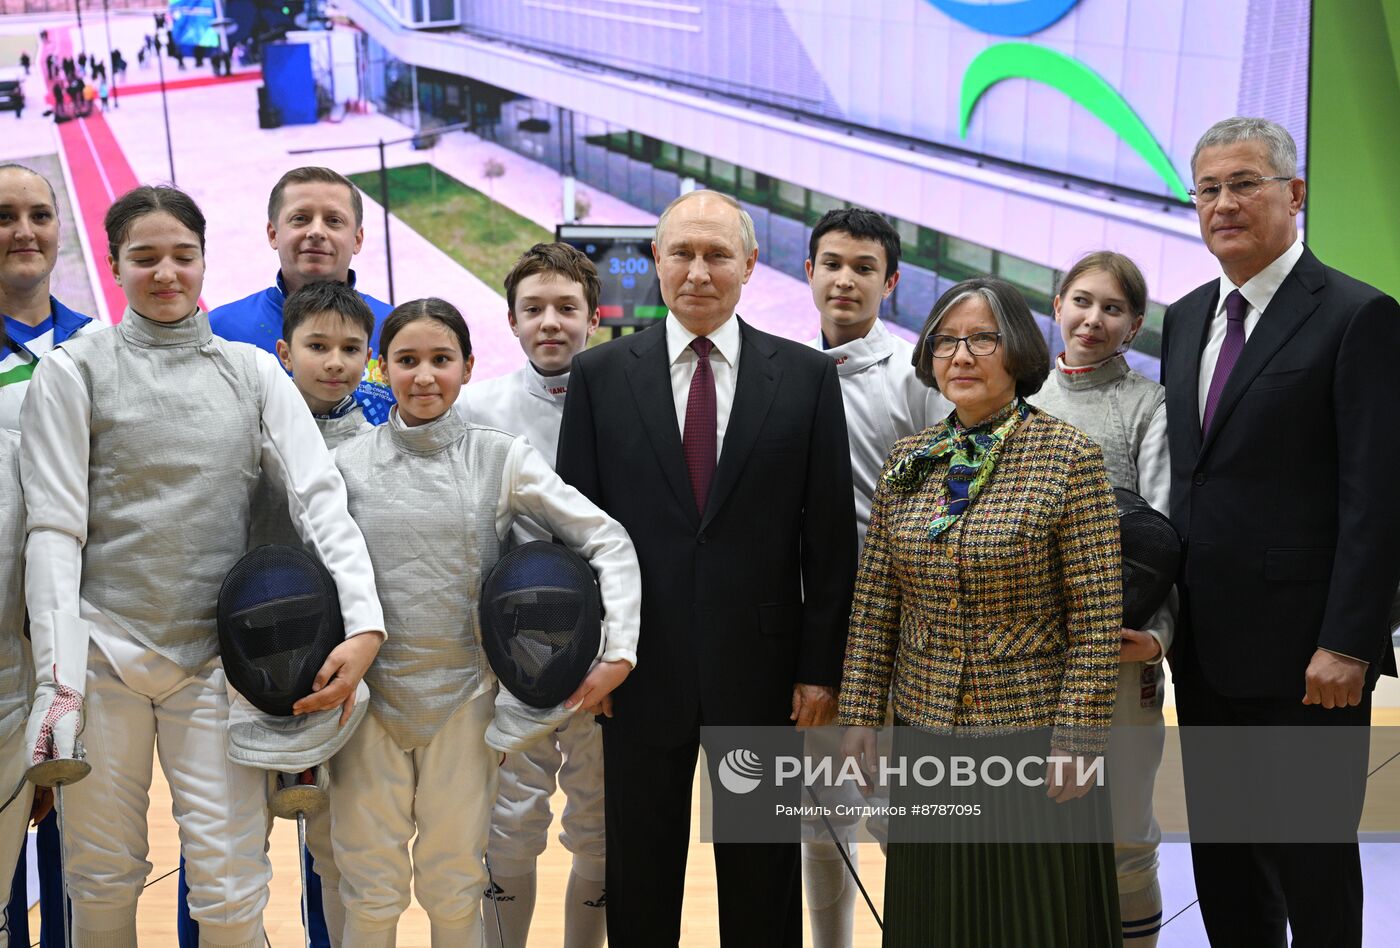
(1239, 187)
(979, 344)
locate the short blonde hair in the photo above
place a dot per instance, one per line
(746, 229)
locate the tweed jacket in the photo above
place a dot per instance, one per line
(1008, 619)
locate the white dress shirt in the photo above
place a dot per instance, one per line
(1258, 292)
(724, 365)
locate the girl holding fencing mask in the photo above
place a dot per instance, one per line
(143, 444)
(438, 497)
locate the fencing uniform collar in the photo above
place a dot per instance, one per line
(551, 388)
(874, 347)
(442, 432)
(345, 407)
(1080, 377)
(189, 332)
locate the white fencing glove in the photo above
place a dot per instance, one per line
(60, 645)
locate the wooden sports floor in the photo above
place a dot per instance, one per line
(700, 927)
(156, 916)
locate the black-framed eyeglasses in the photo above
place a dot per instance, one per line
(979, 344)
(1239, 187)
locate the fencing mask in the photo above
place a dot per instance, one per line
(279, 619)
(1151, 557)
(541, 628)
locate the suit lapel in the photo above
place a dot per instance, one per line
(1190, 334)
(753, 396)
(1294, 302)
(649, 375)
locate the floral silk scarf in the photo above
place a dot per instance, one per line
(972, 454)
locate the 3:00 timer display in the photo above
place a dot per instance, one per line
(618, 265)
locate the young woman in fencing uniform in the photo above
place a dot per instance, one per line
(1100, 310)
(145, 442)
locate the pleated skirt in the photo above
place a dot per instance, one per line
(947, 886)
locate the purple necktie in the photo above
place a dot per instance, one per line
(1235, 308)
(698, 441)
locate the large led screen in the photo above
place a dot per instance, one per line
(1102, 91)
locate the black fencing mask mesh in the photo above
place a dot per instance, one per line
(541, 622)
(279, 619)
(1151, 557)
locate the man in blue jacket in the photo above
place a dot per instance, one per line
(315, 222)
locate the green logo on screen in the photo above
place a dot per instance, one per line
(1020, 60)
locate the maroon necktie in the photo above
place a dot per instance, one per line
(698, 441)
(1230, 349)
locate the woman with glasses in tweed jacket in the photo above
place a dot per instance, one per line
(989, 600)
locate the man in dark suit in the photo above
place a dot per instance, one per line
(1282, 401)
(723, 452)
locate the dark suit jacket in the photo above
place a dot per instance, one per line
(1290, 504)
(748, 599)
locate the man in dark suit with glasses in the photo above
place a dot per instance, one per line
(1282, 398)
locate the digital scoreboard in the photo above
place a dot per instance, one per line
(631, 293)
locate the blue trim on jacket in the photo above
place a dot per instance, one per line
(257, 319)
(65, 323)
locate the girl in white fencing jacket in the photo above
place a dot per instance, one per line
(142, 445)
(437, 497)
